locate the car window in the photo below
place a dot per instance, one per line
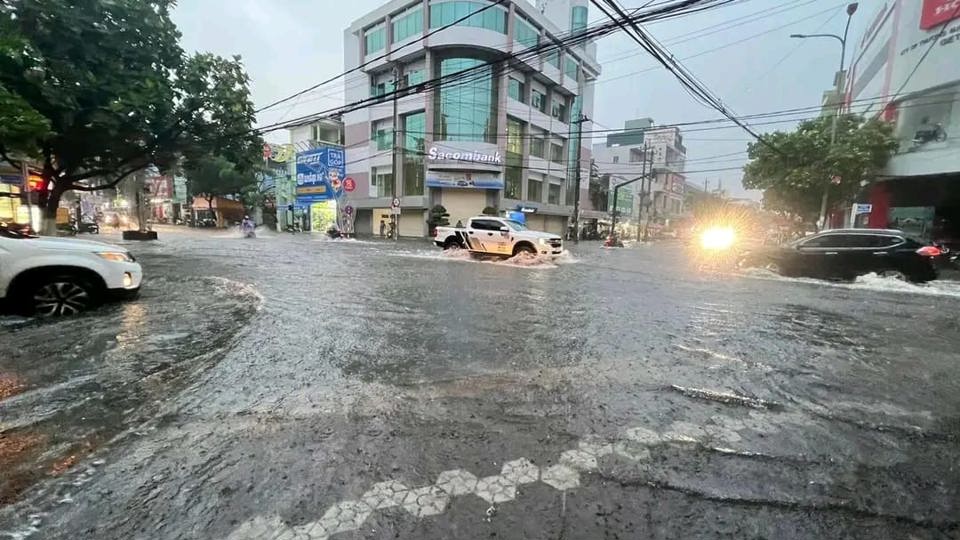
(485, 225)
(826, 241)
(516, 225)
(863, 241)
(887, 241)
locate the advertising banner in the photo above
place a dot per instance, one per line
(319, 174)
(464, 180)
(937, 12)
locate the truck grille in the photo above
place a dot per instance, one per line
(555, 243)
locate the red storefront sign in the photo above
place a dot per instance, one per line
(937, 12)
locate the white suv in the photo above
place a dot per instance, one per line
(59, 276)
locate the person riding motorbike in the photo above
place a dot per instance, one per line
(247, 227)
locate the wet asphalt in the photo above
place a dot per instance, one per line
(292, 387)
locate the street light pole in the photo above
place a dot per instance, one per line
(841, 92)
(576, 195)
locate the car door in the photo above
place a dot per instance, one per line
(857, 254)
(819, 256)
(486, 236)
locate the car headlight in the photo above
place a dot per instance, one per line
(115, 256)
(543, 241)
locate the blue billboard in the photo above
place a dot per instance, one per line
(320, 172)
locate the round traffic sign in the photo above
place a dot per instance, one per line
(349, 184)
(348, 210)
(396, 203)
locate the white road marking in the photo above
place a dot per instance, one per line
(433, 499)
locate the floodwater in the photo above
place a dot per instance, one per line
(292, 386)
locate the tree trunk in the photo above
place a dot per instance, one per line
(48, 225)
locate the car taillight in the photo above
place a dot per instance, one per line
(929, 251)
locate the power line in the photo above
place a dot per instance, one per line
(384, 55)
(550, 45)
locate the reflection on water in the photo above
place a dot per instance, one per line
(68, 386)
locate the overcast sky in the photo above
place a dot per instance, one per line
(742, 52)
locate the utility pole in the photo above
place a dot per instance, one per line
(840, 85)
(643, 174)
(576, 194)
(394, 217)
(25, 171)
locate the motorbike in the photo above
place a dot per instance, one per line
(613, 241)
(334, 233)
(935, 133)
(88, 227)
(248, 230)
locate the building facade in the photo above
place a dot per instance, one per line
(501, 129)
(659, 198)
(906, 70)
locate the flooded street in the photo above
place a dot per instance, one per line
(291, 387)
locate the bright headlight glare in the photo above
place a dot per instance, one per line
(115, 256)
(718, 238)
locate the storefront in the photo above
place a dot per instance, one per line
(927, 208)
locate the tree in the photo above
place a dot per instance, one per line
(95, 91)
(794, 168)
(437, 217)
(212, 177)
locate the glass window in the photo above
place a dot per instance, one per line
(381, 132)
(616, 159)
(556, 153)
(537, 147)
(407, 23)
(466, 111)
(571, 69)
(538, 100)
(516, 90)
(381, 182)
(513, 172)
(553, 194)
(534, 190)
(414, 128)
(415, 77)
(553, 58)
(446, 13)
(578, 19)
(558, 109)
(525, 33)
(375, 39)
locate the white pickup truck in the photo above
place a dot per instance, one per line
(493, 235)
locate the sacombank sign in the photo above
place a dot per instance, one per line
(476, 157)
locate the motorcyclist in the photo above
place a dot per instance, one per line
(247, 227)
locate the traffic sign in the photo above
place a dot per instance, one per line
(396, 203)
(348, 210)
(863, 209)
(349, 184)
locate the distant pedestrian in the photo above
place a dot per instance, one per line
(383, 228)
(459, 224)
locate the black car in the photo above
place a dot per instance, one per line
(848, 253)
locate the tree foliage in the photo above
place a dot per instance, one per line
(793, 168)
(99, 89)
(211, 177)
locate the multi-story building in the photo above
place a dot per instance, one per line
(906, 70)
(281, 171)
(503, 134)
(622, 157)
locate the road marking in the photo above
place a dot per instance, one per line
(434, 499)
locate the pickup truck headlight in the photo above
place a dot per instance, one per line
(543, 241)
(115, 256)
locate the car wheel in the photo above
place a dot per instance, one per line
(524, 248)
(451, 244)
(59, 296)
(894, 274)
